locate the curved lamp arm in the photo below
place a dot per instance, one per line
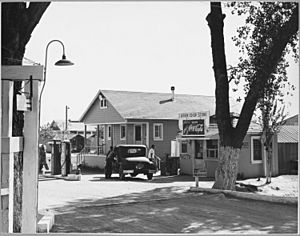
(62, 62)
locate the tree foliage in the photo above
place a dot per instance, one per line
(255, 40)
(46, 133)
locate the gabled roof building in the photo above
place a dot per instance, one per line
(183, 125)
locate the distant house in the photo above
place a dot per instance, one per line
(288, 138)
(75, 133)
(79, 128)
(54, 126)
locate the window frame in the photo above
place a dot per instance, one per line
(181, 149)
(214, 150)
(155, 138)
(252, 150)
(108, 132)
(103, 102)
(122, 138)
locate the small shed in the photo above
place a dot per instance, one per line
(288, 149)
(77, 142)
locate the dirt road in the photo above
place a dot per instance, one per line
(158, 206)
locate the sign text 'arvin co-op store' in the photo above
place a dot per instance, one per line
(198, 145)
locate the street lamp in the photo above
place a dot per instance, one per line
(61, 62)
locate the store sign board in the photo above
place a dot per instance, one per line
(194, 123)
(193, 115)
(193, 127)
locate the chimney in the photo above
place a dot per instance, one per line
(173, 89)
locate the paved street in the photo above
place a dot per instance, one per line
(136, 205)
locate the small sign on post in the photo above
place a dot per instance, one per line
(196, 175)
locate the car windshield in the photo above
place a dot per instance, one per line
(132, 151)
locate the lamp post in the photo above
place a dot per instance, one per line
(61, 62)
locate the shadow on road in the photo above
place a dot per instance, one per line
(172, 210)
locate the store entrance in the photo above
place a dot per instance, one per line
(199, 149)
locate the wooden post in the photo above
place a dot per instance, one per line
(84, 144)
(197, 181)
(30, 163)
(98, 139)
(63, 160)
(7, 159)
(1, 202)
(112, 135)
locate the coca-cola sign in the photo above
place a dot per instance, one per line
(193, 127)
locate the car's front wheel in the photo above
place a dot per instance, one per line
(150, 176)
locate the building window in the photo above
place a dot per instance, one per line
(256, 150)
(123, 132)
(103, 102)
(212, 148)
(184, 148)
(158, 131)
(109, 132)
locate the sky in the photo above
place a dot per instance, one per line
(130, 46)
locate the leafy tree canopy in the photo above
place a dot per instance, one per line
(255, 40)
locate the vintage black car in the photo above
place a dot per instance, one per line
(130, 159)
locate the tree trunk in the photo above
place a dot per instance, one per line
(269, 165)
(226, 172)
(231, 138)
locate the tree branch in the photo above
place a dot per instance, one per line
(270, 61)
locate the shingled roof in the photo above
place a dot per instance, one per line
(145, 105)
(288, 134)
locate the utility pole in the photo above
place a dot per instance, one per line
(66, 127)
